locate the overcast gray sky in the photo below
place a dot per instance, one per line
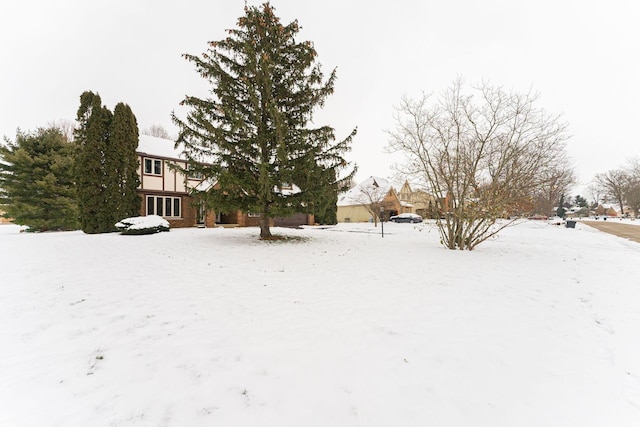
(582, 56)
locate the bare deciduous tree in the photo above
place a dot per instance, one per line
(633, 186)
(556, 182)
(484, 155)
(595, 195)
(157, 131)
(613, 184)
(371, 195)
(65, 126)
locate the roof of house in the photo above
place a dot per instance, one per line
(154, 146)
(360, 194)
(613, 206)
(610, 205)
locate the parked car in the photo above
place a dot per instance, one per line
(406, 217)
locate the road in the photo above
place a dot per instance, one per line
(631, 232)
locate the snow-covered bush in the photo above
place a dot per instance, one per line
(143, 225)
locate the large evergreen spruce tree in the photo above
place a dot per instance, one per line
(36, 180)
(124, 179)
(254, 129)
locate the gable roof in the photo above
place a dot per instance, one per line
(159, 147)
(360, 194)
(406, 187)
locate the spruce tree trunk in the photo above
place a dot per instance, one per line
(265, 232)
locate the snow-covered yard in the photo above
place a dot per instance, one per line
(211, 327)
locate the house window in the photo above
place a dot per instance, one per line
(168, 203)
(159, 210)
(164, 206)
(176, 207)
(153, 166)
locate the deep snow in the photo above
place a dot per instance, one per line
(212, 327)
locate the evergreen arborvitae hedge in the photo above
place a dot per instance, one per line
(123, 143)
(106, 164)
(36, 180)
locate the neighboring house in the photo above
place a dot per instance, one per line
(166, 191)
(359, 203)
(609, 209)
(419, 202)
(576, 212)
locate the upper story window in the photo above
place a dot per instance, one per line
(152, 166)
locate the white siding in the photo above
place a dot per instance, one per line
(152, 183)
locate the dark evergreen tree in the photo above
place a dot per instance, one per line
(122, 162)
(92, 176)
(106, 167)
(581, 202)
(560, 211)
(254, 130)
(36, 180)
(325, 205)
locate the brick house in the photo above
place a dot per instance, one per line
(244, 219)
(164, 190)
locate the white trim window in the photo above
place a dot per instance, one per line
(152, 166)
(169, 207)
